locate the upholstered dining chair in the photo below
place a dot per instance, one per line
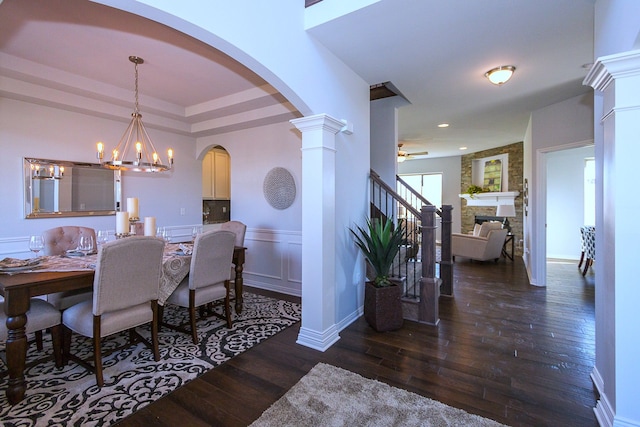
(57, 241)
(208, 278)
(41, 316)
(125, 294)
(238, 228)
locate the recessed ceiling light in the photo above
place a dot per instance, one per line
(462, 148)
(443, 125)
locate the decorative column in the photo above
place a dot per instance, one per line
(616, 79)
(318, 329)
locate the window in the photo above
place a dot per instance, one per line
(429, 185)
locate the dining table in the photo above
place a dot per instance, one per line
(51, 274)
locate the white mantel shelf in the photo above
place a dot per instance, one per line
(491, 199)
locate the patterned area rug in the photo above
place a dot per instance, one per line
(132, 378)
(330, 396)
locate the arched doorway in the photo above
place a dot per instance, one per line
(216, 186)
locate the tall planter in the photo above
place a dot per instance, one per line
(383, 307)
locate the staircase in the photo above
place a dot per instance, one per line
(424, 275)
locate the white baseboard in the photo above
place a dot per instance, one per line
(318, 340)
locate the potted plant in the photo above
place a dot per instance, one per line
(380, 243)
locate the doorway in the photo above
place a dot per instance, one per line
(569, 196)
(216, 186)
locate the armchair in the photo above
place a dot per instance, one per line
(484, 244)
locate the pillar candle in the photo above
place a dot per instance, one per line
(132, 207)
(122, 222)
(149, 225)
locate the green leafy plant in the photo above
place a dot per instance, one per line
(380, 244)
(473, 189)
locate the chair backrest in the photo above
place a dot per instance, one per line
(237, 227)
(495, 242)
(58, 240)
(212, 258)
(488, 226)
(127, 273)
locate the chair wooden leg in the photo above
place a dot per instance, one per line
(160, 315)
(587, 264)
(154, 331)
(97, 351)
(38, 340)
(66, 344)
(56, 338)
(581, 259)
(227, 305)
(192, 315)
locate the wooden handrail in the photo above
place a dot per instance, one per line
(376, 178)
(417, 195)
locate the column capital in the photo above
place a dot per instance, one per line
(318, 122)
(611, 67)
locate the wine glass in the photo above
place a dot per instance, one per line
(36, 244)
(102, 237)
(167, 235)
(86, 244)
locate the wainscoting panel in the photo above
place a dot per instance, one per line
(274, 260)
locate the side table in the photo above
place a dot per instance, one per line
(506, 251)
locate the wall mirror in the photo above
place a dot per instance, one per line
(57, 188)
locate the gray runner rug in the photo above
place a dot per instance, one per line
(329, 396)
(69, 396)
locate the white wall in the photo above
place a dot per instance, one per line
(565, 201)
(450, 167)
(273, 238)
(567, 124)
(29, 130)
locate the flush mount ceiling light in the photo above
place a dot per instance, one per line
(146, 157)
(500, 75)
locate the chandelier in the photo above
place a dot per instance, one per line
(135, 138)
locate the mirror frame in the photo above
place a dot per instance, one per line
(28, 189)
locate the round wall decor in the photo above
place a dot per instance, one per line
(279, 188)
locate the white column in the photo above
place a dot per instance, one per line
(318, 328)
(617, 372)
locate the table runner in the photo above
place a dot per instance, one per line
(175, 267)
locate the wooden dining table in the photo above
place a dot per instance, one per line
(18, 289)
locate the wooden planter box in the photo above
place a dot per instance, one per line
(383, 307)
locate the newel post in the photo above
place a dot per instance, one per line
(429, 284)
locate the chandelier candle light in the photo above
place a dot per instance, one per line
(135, 136)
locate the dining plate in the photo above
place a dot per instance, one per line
(10, 264)
(180, 252)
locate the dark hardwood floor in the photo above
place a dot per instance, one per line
(505, 350)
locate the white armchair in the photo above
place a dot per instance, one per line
(484, 244)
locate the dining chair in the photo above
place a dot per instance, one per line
(238, 228)
(208, 279)
(125, 293)
(41, 316)
(57, 241)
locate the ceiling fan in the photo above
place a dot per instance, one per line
(403, 155)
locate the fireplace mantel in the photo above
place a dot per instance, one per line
(491, 198)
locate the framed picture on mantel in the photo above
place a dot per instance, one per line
(493, 175)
